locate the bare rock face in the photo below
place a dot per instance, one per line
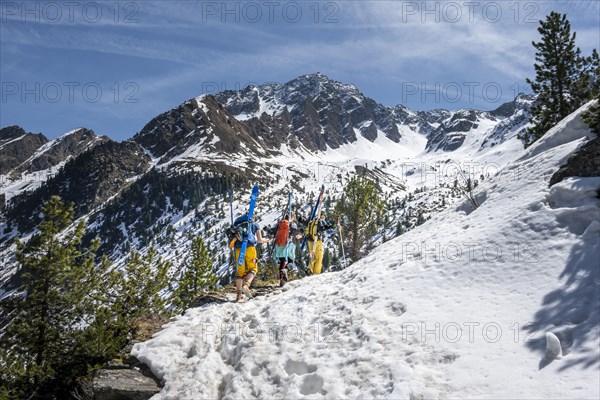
(67, 146)
(88, 180)
(451, 134)
(312, 110)
(22, 152)
(320, 113)
(123, 384)
(197, 122)
(17, 146)
(584, 162)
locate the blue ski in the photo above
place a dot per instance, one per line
(253, 198)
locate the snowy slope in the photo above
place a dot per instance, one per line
(456, 308)
(28, 176)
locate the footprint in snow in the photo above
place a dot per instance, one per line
(447, 358)
(369, 299)
(394, 266)
(397, 308)
(299, 367)
(312, 384)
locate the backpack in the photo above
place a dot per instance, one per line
(311, 230)
(238, 231)
(283, 232)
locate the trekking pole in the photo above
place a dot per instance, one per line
(342, 243)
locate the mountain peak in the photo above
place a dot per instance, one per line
(316, 77)
(28, 153)
(315, 83)
(322, 113)
(507, 109)
(11, 132)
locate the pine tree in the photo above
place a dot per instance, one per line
(420, 219)
(399, 229)
(140, 284)
(592, 116)
(361, 208)
(196, 275)
(587, 85)
(42, 344)
(564, 79)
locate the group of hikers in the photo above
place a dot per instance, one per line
(289, 231)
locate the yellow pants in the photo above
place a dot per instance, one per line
(316, 262)
(250, 263)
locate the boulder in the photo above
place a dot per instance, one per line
(123, 384)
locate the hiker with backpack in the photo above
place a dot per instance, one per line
(243, 227)
(315, 231)
(285, 248)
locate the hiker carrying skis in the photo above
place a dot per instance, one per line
(249, 268)
(315, 231)
(285, 248)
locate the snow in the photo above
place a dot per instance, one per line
(28, 181)
(200, 101)
(572, 128)
(12, 141)
(382, 148)
(71, 132)
(459, 307)
(553, 348)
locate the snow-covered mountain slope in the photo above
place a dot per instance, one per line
(28, 160)
(320, 113)
(456, 308)
(167, 183)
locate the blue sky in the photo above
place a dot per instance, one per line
(113, 66)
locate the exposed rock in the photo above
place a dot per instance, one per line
(516, 116)
(199, 122)
(17, 146)
(87, 181)
(208, 299)
(584, 162)
(314, 111)
(116, 364)
(451, 133)
(123, 384)
(22, 152)
(83, 389)
(66, 146)
(10, 133)
(522, 101)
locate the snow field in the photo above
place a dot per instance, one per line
(458, 307)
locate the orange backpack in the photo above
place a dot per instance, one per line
(283, 231)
